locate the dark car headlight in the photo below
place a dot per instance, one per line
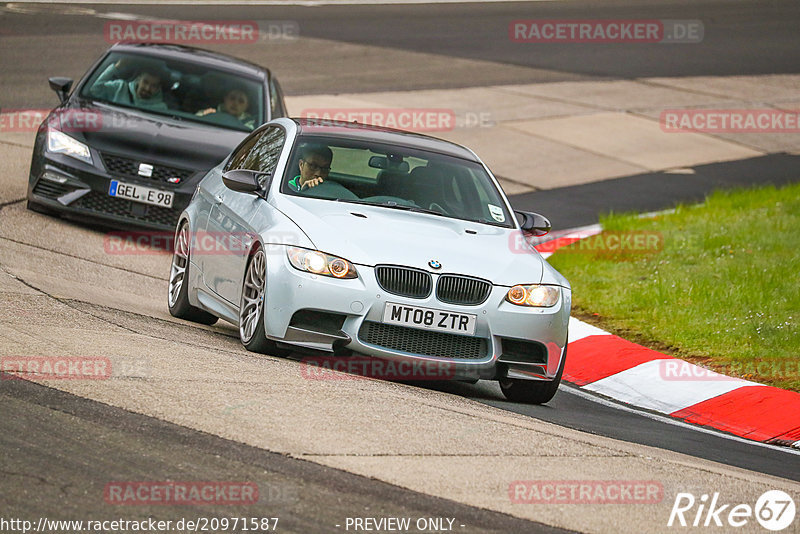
(316, 262)
(534, 295)
(61, 143)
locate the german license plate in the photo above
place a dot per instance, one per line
(430, 319)
(139, 193)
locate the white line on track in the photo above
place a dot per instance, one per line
(669, 420)
(304, 3)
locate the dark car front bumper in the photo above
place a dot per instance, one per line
(81, 190)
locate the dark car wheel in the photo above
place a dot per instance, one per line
(178, 296)
(532, 391)
(252, 305)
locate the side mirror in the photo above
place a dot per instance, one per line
(244, 180)
(533, 223)
(61, 86)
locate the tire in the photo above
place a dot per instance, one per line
(532, 391)
(251, 308)
(178, 292)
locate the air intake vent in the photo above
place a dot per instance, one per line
(50, 189)
(423, 342)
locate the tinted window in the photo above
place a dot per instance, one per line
(260, 153)
(182, 89)
(276, 99)
(398, 177)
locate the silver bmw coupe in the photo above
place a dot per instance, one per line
(350, 240)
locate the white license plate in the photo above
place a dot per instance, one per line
(139, 193)
(430, 319)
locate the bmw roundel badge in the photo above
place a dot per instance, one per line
(435, 264)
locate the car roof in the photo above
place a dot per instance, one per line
(198, 55)
(381, 134)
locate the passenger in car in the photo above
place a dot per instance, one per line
(144, 91)
(235, 103)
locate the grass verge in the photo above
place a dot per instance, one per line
(717, 284)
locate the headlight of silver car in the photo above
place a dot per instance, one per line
(314, 261)
(61, 143)
(533, 295)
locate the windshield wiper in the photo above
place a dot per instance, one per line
(491, 223)
(393, 205)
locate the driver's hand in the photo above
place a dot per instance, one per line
(312, 183)
(204, 112)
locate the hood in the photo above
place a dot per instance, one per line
(149, 137)
(368, 235)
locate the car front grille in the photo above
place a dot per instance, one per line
(125, 167)
(404, 281)
(456, 289)
(136, 212)
(422, 342)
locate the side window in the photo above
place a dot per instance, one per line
(237, 159)
(275, 99)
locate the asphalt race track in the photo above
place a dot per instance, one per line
(192, 404)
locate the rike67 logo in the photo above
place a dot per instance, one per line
(774, 510)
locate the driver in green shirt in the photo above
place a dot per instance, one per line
(315, 164)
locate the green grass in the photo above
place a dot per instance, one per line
(724, 291)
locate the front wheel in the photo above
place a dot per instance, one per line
(251, 308)
(533, 391)
(178, 296)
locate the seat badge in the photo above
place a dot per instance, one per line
(146, 170)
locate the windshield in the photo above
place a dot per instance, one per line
(394, 177)
(178, 89)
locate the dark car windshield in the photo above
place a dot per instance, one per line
(181, 89)
(397, 177)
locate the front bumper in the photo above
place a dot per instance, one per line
(509, 340)
(80, 190)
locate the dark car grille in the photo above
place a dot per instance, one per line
(119, 166)
(51, 190)
(455, 289)
(423, 342)
(404, 281)
(108, 205)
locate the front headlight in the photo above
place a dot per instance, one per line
(314, 261)
(534, 295)
(61, 143)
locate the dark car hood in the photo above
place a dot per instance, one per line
(150, 138)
